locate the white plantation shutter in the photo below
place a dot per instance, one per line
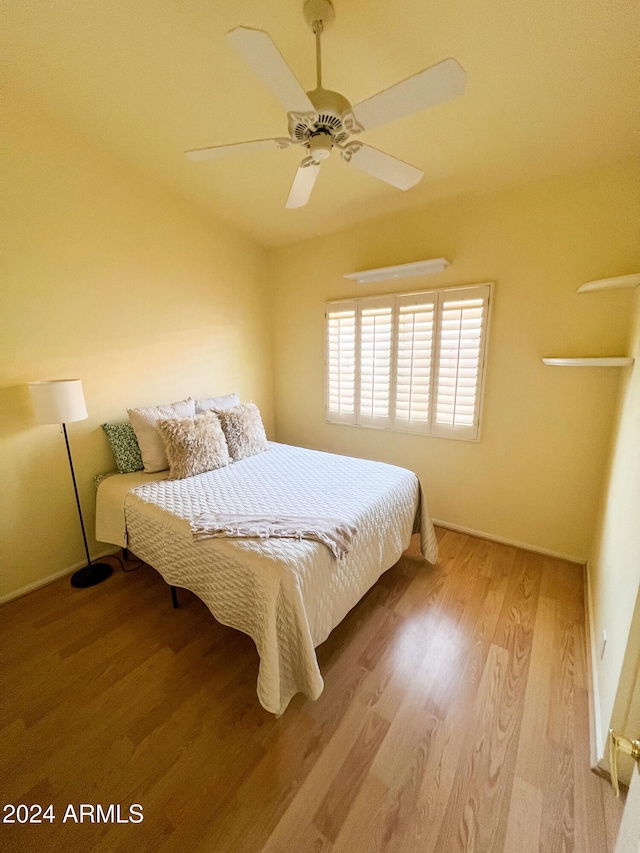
(341, 362)
(376, 349)
(414, 343)
(461, 335)
(412, 362)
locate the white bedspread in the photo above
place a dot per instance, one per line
(286, 594)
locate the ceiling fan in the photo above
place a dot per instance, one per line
(321, 120)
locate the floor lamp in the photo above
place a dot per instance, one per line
(61, 401)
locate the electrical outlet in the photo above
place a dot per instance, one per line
(603, 644)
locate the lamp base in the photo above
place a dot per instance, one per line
(91, 575)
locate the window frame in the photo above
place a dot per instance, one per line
(437, 296)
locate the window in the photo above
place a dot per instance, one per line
(412, 362)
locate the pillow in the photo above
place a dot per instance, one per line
(218, 404)
(244, 431)
(145, 423)
(126, 449)
(194, 445)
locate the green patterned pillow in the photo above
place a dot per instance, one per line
(125, 447)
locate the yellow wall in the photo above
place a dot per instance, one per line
(614, 564)
(109, 279)
(535, 476)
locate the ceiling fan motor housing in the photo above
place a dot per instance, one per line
(332, 125)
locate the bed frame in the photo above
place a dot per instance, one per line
(174, 590)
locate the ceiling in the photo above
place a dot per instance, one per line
(552, 86)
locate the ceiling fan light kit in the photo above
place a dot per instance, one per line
(321, 120)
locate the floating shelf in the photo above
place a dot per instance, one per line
(588, 362)
(399, 271)
(632, 280)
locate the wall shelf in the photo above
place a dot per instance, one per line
(632, 280)
(589, 362)
(399, 271)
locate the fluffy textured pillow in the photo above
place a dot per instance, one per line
(145, 423)
(193, 445)
(126, 449)
(244, 431)
(218, 404)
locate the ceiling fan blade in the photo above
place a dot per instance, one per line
(434, 85)
(383, 166)
(218, 151)
(303, 184)
(259, 51)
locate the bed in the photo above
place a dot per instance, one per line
(287, 594)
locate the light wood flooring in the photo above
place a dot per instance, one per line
(454, 718)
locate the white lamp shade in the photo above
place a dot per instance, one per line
(59, 401)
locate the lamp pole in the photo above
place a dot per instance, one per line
(75, 489)
(92, 573)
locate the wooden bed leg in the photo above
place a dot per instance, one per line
(174, 597)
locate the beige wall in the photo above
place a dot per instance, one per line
(614, 564)
(535, 476)
(109, 279)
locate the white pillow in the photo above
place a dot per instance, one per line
(145, 425)
(217, 404)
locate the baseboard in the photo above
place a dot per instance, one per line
(595, 720)
(571, 558)
(54, 576)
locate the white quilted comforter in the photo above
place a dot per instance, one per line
(286, 594)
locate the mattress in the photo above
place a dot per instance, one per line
(286, 594)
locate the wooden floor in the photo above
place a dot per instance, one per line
(454, 718)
